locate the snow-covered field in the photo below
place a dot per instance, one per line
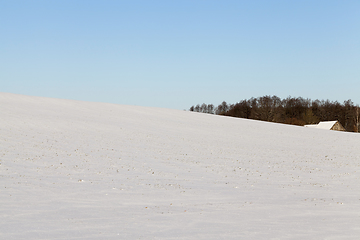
(82, 170)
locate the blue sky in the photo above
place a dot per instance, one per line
(175, 54)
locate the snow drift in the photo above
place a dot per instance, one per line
(82, 170)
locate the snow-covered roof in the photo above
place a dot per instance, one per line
(326, 125)
(323, 125)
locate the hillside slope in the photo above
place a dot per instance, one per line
(82, 170)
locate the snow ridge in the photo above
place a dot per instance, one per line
(82, 170)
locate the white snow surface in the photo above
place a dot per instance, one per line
(83, 170)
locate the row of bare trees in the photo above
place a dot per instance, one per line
(297, 111)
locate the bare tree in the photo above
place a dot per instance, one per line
(210, 108)
(357, 124)
(203, 108)
(197, 108)
(225, 106)
(222, 108)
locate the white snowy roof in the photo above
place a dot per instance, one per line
(326, 125)
(323, 125)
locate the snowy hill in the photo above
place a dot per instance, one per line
(82, 170)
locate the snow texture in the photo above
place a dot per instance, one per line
(82, 170)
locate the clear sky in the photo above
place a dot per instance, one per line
(175, 54)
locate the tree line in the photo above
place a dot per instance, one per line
(296, 111)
